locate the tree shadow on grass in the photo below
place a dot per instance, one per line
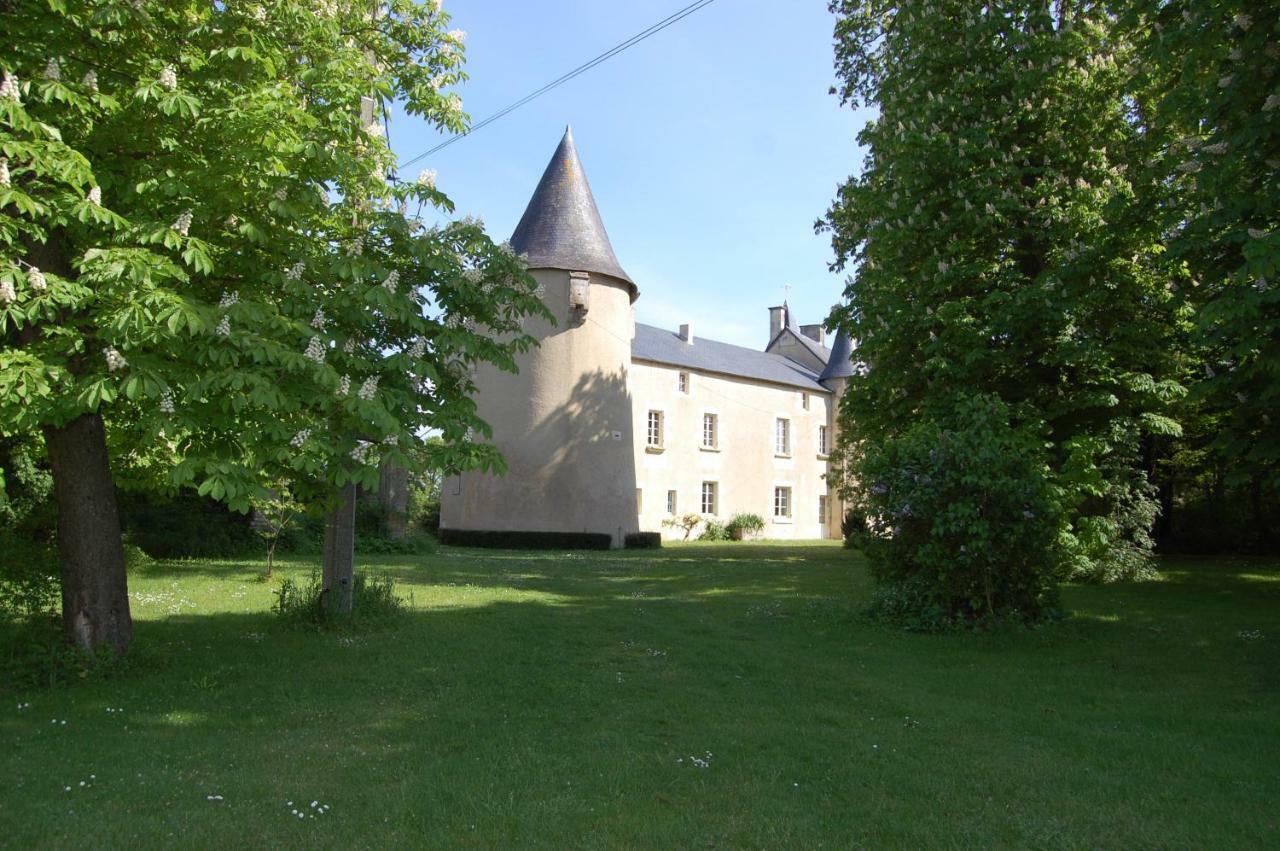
(541, 696)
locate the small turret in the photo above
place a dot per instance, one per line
(840, 364)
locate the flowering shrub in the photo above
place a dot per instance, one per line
(961, 523)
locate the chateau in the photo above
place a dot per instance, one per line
(612, 426)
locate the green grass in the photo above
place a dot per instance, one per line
(557, 700)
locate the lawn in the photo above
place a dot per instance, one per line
(696, 696)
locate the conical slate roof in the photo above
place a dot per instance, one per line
(840, 364)
(561, 227)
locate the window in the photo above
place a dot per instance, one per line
(782, 437)
(822, 510)
(822, 440)
(782, 502)
(708, 497)
(671, 502)
(654, 440)
(682, 382)
(804, 401)
(710, 427)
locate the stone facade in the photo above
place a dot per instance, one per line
(610, 427)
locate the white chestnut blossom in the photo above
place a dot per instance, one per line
(282, 194)
(295, 271)
(36, 279)
(232, 220)
(1271, 103)
(95, 195)
(4, 173)
(418, 349)
(9, 88)
(1217, 148)
(166, 401)
(344, 386)
(300, 438)
(52, 70)
(392, 440)
(356, 248)
(1242, 21)
(90, 80)
(392, 280)
(169, 78)
(115, 360)
(315, 350)
(317, 321)
(349, 347)
(183, 223)
(1224, 82)
(1255, 233)
(368, 388)
(228, 298)
(224, 327)
(427, 178)
(7, 293)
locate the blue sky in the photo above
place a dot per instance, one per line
(711, 147)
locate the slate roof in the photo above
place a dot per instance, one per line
(840, 364)
(561, 228)
(662, 346)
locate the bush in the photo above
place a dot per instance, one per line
(643, 541)
(526, 540)
(304, 606)
(741, 525)
(29, 586)
(416, 544)
(961, 522)
(185, 525)
(684, 522)
(715, 531)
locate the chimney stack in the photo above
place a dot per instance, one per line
(686, 333)
(815, 333)
(777, 320)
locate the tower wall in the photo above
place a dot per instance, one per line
(836, 506)
(563, 423)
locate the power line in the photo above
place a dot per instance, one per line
(673, 18)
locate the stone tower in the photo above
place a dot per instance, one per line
(563, 422)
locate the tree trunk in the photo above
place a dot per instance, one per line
(393, 498)
(95, 594)
(340, 551)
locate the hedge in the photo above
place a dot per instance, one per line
(643, 541)
(526, 540)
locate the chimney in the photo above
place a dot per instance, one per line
(814, 332)
(686, 333)
(777, 319)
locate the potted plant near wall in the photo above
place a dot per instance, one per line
(742, 525)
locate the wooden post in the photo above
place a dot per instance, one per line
(340, 551)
